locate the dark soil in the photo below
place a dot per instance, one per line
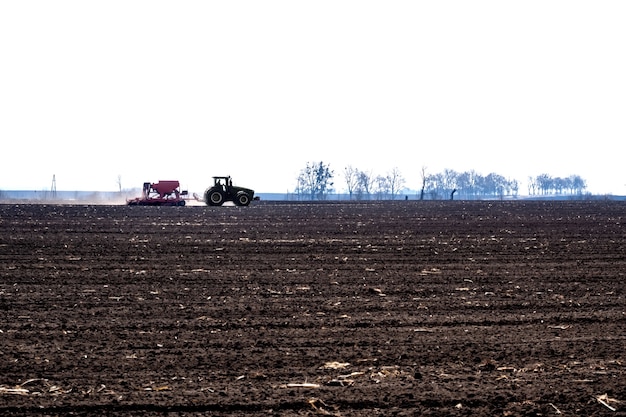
(391, 308)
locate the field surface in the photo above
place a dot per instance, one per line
(345, 309)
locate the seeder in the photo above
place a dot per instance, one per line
(162, 193)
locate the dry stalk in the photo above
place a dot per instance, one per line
(318, 405)
(14, 391)
(601, 399)
(43, 387)
(340, 382)
(335, 365)
(303, 385)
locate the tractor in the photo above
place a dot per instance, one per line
(223, 190)
(162, 193)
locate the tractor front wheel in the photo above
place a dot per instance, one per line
(215, 198)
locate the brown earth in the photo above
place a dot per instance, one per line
(391, 308)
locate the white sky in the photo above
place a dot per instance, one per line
(185, 90)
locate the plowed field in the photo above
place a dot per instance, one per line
(347, 309)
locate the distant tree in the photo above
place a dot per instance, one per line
(382, 187)
(450, 179)
(495, 185)
(544, 182)
(352, 179)
(532, 186)
(395, 182)
(315, 180)
(465, 184)
(364, 185)
(559, 185)
(424, 177)
(478, 184)
(577, 184)
(475, 184)
(441, 184)
(433, 183)
(119, 182)
(514, 187)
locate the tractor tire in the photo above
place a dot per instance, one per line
(215, 198)
(181, 203)
(242, 199)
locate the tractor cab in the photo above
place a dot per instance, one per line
(224, 182)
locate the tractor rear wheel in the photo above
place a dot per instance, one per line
(215, 198)
(242, 199)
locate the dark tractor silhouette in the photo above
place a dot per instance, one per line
(223, 190)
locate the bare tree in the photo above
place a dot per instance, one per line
(119, 182)
(382, 187)
(514, 187)
(532, 186)
(395, 182)
(364, 185)
(424, 177)
(465, 185)
(435, 185)
(544, 181)
(315, 180)
(352, 178)
(450, 178)
(578, 184)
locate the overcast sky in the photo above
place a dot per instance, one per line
(151, 90)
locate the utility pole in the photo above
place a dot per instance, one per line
(53, 189)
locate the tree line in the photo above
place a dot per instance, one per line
(316, 182)
(545, 184)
